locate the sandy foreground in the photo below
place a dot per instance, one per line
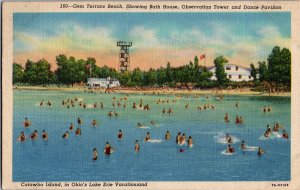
(244, 91)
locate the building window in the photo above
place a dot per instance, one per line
(236, 68)
(228, 68)
(240, 76)
(249, 77)
(229, 76)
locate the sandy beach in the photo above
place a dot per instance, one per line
(133, 90)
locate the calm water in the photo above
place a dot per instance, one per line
(71, 159)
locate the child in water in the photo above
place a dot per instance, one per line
(168, 136)
(107, 149)
(284, 134)
(34, 135)
(44, 135)
(260, 152)
(71, 127)
(65, 135)
(243, 145)
(226, 118)
(120, 134)
(78, 131)
(147, 138)
(190, 141)
(229, 149)
(22, 137)
(178, 138)
(137, 146)
(26, 123)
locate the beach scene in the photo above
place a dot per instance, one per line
(151, 97)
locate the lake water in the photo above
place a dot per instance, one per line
(70, 159)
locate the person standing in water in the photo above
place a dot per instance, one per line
(243, 145)
(34, 135)
(79, 121)
(147, 138)
(107, 149)
(120, 134)
(22, 137)
(182, 139)
(226, 118)
(137, 146)
(260, 152)
(95, 154)
(168, 136)
(190, 141)
(178, 138)
(284, 134)
(94, 123)
(71, 126)
(78, 131)
(229, 149)
(26, 123)
(65, 135)
(44, 135)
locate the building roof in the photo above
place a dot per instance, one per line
(229, 64)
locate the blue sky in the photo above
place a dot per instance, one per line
(157, 37)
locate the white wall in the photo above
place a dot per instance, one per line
(241, 74)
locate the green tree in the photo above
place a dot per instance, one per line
(279, 66)
(263, 71)
(169, 73)
(137, 76)
(37, 73)
(220, 73)
(204, 77)
(18, 73)
(253, 71)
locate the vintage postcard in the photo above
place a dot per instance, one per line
(151, 95)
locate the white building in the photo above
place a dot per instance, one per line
(102, 82)
(234, 73)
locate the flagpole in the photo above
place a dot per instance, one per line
(205, 58)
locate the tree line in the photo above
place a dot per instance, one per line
(276, 70)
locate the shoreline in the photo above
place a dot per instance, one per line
(159, 91)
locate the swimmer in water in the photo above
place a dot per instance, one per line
(22, 137)
(229, 149)
(71, 126)
(190, 141)
(152, 122)
(260, 152)
(168, 135)
(182, 139)
(95, 154)
(120, 134)
(187, 106)
(26, 123)
(147, 138)
(178, 138)
(79, 121)
(170, 111)
(49, 103)
(228, 138)
(237, 119)
(34, 135)
(134, 105)
(101, 105)
(137, 146)
(139, 125)
(94, 123)
(269, 108)
(276, 127)
(44, 135)
(163, 110)
(236, 104)
(241, 120)
(265, 109)
(65, 135)
(107, 149)
(226, 118)
(243, 145)
(42, 102)
(268, 131)
(110, 114)
(116, 114)
(284, 134)
(78, 131)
